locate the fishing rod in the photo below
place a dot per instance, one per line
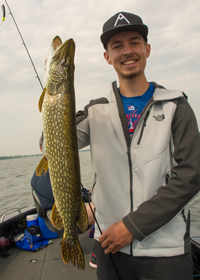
(110, 255)
(4, 13)
(24, 44)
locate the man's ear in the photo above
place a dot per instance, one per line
(148, 49)
(107, 57)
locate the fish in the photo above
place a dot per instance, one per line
(57, 104)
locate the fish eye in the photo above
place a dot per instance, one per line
(64, 64)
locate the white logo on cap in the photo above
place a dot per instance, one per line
(121, 17)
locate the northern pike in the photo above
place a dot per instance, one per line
(57, 103)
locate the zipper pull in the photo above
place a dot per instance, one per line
(167, 178)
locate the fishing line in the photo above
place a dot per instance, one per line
(111, 257)
(4, 13)
(91, 208)
(24, 45)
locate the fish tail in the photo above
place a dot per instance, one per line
(72, 253)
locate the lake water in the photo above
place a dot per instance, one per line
(15, 189)
(15, 177)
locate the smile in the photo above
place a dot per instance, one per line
(129, 62)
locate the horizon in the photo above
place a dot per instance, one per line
(32, 155)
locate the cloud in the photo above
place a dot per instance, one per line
(174, 35)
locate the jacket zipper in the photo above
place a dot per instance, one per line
(131, 189)
(130, 163)
(131, 176)
(130, 167)
(128, 142)
(143, 126)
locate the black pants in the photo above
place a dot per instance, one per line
(142, 268)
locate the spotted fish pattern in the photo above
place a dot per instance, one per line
(57, 103)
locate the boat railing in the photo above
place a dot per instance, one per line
(8, 213)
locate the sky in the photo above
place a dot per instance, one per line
(174, 35)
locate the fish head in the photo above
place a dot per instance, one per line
(61, 69)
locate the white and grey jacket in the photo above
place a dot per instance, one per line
(146, 180)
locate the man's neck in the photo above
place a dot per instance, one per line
(133, 87)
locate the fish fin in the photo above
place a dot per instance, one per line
(83, 218)
(41, 100)
(42, 166)
(72, 253)
(56, 219)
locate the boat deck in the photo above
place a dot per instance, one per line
(49, 265)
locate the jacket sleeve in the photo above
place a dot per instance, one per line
(182, 186)
(82, 122)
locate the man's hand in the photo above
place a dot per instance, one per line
(115, 237)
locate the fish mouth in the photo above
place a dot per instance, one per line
(64, 51)
(61, 69)
(56, 43)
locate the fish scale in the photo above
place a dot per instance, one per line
(61, 152)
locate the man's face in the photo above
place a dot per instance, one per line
(127, 52)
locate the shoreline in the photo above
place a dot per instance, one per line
(35, 155)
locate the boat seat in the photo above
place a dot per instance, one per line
(45, 214)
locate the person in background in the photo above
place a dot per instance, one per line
(42, 184)
(145, 149)
(41, 141)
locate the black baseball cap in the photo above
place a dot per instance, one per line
(120, 22)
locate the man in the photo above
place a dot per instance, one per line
(145, 149)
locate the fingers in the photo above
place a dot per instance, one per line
(112, 248)
(110, 245)
(102, 238)
(115, 237)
